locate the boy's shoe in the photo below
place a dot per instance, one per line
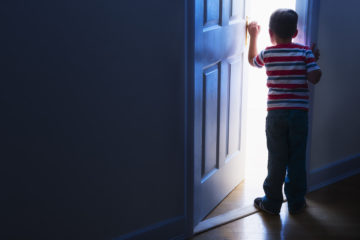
(258, 203)
(297, 209)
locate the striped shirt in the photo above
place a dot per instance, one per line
(286, 67)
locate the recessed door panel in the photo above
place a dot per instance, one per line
(210, 160)
(212, 12)
(235, 96)
(237, 9)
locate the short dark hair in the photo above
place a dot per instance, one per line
(283, 22)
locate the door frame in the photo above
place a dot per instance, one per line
(189, 113)
(311, 10)
(308, 21)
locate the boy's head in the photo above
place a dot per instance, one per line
(283, 23)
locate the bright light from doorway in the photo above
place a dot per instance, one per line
(256, 151)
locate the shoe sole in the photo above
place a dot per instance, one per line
(264, 209)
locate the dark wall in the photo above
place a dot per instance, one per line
(336, 118)
(92, 117)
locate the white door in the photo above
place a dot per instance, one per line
(218, 141)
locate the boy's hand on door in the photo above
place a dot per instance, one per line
(315, 51)
(253, 29)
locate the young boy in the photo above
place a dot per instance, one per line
(288, 66)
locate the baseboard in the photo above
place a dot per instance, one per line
(334, 172)
(172, 229)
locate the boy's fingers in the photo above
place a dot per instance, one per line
(315, 51)
(253, 26)
(317, 54)
(313, 45)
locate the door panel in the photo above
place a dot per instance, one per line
(210, 160)
(235, 105)
(219, 58)
(212, 13)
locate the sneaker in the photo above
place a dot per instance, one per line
(258, 203)
(297, 209)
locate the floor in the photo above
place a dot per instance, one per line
(242, 196)
(333, 213)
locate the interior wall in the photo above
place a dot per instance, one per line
(92, 118)
(336, 115)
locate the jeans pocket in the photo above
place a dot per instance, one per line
(300, 124)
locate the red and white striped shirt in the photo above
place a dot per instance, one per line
(287, 66)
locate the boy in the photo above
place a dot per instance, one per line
(288, 66)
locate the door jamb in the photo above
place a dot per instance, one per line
(308, 18)
(189, 113)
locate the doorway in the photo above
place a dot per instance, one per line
(256, 150)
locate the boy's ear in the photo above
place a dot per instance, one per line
(271, 33)
(295, 34)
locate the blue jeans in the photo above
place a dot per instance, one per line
(286, 133)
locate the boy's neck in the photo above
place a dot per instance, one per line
(279, 41)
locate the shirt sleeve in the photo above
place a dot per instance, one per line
(259, 60)
(310, 61)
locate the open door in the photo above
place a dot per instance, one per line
(220, 29)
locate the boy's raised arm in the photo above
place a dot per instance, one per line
(314, 76)
(254, 30)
